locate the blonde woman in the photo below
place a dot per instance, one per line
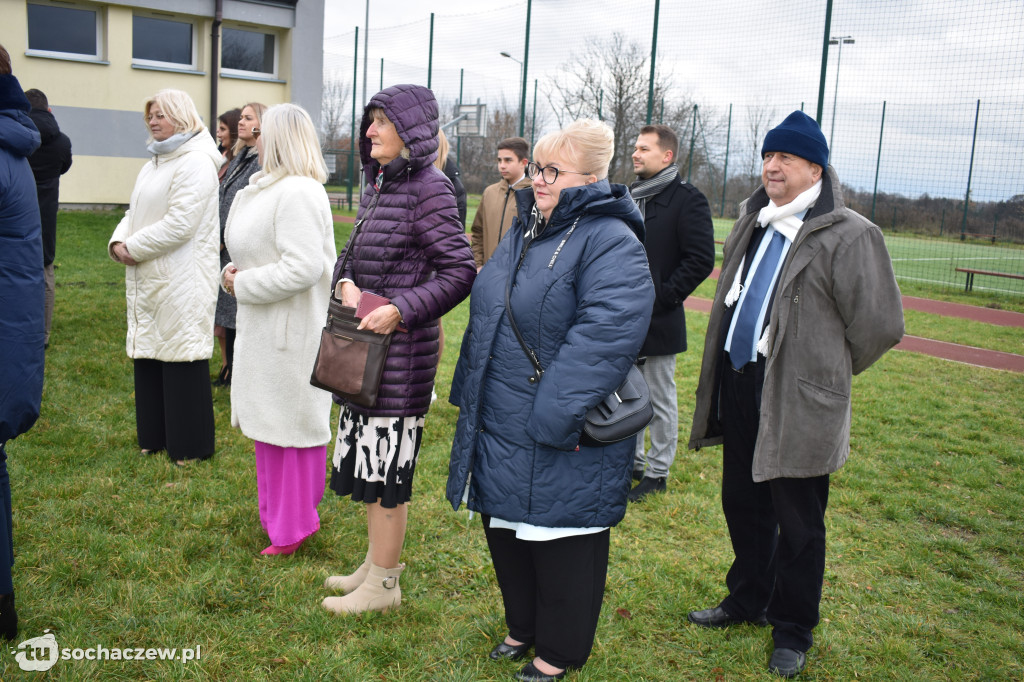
(243, 166)
(281, 237)
(167, 242)
(581, 293)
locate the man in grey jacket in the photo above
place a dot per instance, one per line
(806, 299)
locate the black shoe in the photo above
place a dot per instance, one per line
(8, 618)
(529, 673)
(645, 487)
(512, 652)
(720, 618)
(223, 377)
(638, 474)
(787, 662)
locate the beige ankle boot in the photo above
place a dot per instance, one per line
(347, 583)
(379, 592)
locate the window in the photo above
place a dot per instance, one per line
(64, 30)
(163, 42)
(249, 52)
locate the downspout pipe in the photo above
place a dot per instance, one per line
(218, 18)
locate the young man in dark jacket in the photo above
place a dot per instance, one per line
(680, 246)
(49, 162)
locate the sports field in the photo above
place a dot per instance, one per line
(931, 263)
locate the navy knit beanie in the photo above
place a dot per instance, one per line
(799, 135)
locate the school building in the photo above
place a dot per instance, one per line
(98, 63)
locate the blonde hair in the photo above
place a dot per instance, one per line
(258, 109)
(442, 149)
(177, 107)
(586, 144)
(290, 145)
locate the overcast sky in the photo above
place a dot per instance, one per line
(929, 60)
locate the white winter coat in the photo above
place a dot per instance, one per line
(280, 234)
(171, 229)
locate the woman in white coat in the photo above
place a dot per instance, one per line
(168, 241)
(280, 234)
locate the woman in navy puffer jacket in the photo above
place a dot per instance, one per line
(582, 298)
(410, 247)
(21, 306)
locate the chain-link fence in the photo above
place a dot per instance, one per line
(922, 102)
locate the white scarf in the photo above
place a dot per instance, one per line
(783, 219)
(171, 143)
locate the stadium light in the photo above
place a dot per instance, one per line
(840, 41)
(519, 97)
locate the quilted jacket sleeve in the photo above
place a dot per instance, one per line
(443, 241)
(194, 181)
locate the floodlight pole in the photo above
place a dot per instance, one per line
(840, 41)
(533, 123)
(519, 95)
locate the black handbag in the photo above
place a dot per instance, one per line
(622, 415)
(350, 361)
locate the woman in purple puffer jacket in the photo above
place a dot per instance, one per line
(410, 247)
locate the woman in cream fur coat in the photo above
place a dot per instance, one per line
(280, 234)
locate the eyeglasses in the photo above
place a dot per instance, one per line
(549, 173)
(256, 133)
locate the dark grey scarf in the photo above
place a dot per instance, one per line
(642, 190)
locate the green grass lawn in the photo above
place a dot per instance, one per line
(924, 579)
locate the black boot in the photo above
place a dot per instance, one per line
(8, 617)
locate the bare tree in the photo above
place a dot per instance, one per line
(759, 119)
(336, 112)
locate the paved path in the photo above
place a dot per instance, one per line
(969, 355)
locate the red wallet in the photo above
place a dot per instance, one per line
(369, 301)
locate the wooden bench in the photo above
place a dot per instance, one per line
(971, 272)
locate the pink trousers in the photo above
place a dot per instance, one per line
(290, 484)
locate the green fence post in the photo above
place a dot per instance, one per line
(970, 172)
(430, 51)
(458, 138)
(693, 138)
(878, 163)
(654, 52)
(352, 136)
(725, 172)
(824, 62)
(526, 60)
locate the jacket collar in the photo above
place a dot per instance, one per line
(600, 198)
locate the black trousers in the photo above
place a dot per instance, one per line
(174, 408)
(552, 591)
(777, 527)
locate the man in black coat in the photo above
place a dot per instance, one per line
(680, 247)
(49, 162)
